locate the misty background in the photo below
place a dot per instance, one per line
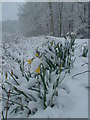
(34, 19)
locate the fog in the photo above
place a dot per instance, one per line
(10, 10)
(33, 19)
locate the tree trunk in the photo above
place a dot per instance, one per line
(72, 16)
(60, 17)
(51, 19)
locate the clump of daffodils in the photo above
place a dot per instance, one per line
(40, 78)
(57, 54)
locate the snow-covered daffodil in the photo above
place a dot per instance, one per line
(35, 65)
(37, 70)
(29, 61)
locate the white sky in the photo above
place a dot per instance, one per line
(10, 7)
(10, 10)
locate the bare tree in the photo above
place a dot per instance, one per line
(51, 18)
(60, 17)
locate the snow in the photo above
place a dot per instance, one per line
(73, 104)
(35, 64)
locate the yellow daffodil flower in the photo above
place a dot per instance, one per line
(37, 55)
(37, 70)
(29, 61)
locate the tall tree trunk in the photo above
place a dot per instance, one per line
(51, 18)
(60, 17)
(71, 19)
(84, 9)
(72, 16)
(89, 23)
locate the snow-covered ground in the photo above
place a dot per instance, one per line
(72, 105)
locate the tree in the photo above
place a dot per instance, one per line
(60, 17)
(53, 18)
(34, 19)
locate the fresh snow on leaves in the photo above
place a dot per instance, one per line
(72, 98)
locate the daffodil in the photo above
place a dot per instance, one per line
(35, 64)
(37, 55)
(29, 61)
(37, 70)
